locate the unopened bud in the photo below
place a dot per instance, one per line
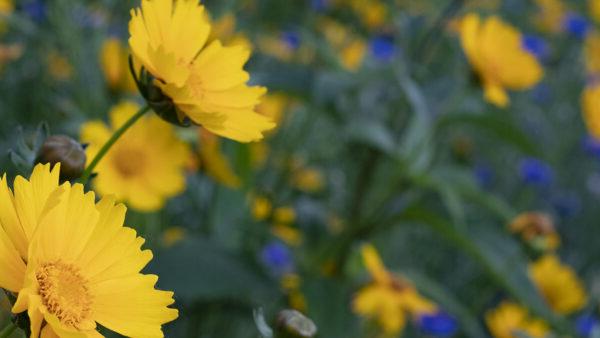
(292, 323)
(67, 151)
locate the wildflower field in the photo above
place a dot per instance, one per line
(300, 168)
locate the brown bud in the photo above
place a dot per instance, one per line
(67, 151)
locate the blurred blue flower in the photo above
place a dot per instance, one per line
(585, 324)
(536, 46)
(319, 5)
(382, 47)
(591, 146)
(35, 9)
(536, 172)
(566, 205)
(576, 25)
(278, 258)
(439, 324)
(483, 175)
(291, 39)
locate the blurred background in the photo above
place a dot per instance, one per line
(386, 135)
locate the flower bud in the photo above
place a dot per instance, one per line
(67, 151)
(291, 323)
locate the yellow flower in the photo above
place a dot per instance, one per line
(509, 318)
(536, 228)
(494, 50)
(206, 83)
(286, 233)
(173, 235)
(592, 53)
(307, 179)
(594, 6)
(261, 208)
(388, 299)
(59, 67)
(6, 8)
(353, 54)
(224, 29)
(145, 166)
(550, 15)
(590, 104)
(114, 59)
(284, 215)
(559, 284)
(273, 106)
(372, 13)
(214, 161)
(73, 264)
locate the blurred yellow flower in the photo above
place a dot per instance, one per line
(388, 299)
(288, 234)
(284, 215)
(509, 318)
(172, 236)
(214, 162)
(373, 13)
(206, 83)
(353, 54)
(55, 236)
(592, 53)
(261, 208)
(114, 60)
(307, 179)
(590, 105)
(145, 166)
(495, 51)
(594, 7)
(273, 106)
(559, 284)
(536, 228)
(6, 8)
(550, 15)
(224, 30)
(59, 67)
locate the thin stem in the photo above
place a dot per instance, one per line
(106, 147)
(8, 330)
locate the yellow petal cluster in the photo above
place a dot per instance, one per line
(559, 285)
(72, 264)
(590, 104)
(114, 60)
(550, 15)
(145, 167)
(206, 82)
(509, 319)
(388, 299)
(494, 49)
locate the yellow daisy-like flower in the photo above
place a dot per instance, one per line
(145, 166)
(537, 229)
(559, 284)
(115, 65)
(72, 264)
(590, 104)
(207, 84)
(509, 318)
(388, 299)
(495, 51)
(550, 15)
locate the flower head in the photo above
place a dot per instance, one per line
(576, 25)
(439, 324)
(145, 166)
(559, 284)
(495, 50)
(536, 172)
(203, 83)
(509, 318)
(590, 105)
(382, 47)
(115, 67)
(72, 263)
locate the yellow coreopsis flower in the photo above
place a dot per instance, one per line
(373, 13)
(388, 299)
(494, 49)
(206, 83)
(214, 162)
(559, 284)
(145, 166)
(590, 105)
(115, 65)
(509, 318)
(550, 15)
(72, 264)
(261, 208)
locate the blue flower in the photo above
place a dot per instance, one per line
(291, 39)
(585, 325)
(319, 5)
(536, 172)
(382, 47)
(483, 175)
(576, 25)
(35, 9)
(439, 324)
(278, 258)
(566, 205)
(591, 146)
(536, 46)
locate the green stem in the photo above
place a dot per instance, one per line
(8, 330)
(106, 147)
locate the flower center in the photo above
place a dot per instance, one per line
(129, 162)
(64, 292)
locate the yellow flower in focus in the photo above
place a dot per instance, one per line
(590, 104)
(388, 299)
(55, 236)
(550, 15)
(286, 233)
(559, 284)
(59, 67)
(509, 318)
(214, 162)
(261, 208)
(114, 60)
(495, 51)
(206, 83)
(173, 235)
(145, 166)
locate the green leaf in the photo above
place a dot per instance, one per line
(374, 134)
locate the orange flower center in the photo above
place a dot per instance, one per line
(129, 162)
(64, 292)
